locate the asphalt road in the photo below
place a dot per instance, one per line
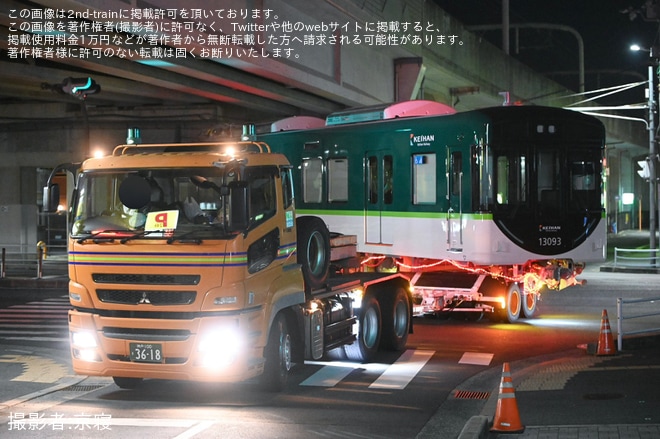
(402, 395)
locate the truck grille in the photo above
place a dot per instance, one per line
(143, 334)
(146, 279)
(138, 297)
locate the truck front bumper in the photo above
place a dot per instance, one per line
(212, 349)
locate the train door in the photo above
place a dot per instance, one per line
(458, 175)
(379, 191)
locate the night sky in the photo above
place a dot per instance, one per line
(606, 31)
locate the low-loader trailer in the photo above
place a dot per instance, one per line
(188, 262)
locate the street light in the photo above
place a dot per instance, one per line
(653, 184)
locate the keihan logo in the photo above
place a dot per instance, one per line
(423, 139)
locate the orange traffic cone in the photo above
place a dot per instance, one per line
(507, 417)
(605, 339)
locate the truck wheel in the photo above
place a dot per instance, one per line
(313, 250)
(365, 347)
(529, 304)
(396, 320)
(127, 383)
(513, 303)
(278, 356)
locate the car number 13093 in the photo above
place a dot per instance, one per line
(146, 352)
(550, 241)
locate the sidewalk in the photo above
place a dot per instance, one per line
(568, 395)
(585, 396)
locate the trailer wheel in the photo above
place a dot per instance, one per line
(127, 383)
(278, 357)
(365, 347)
(513, 303)
(313, 250)
(396, 320)
(529, 304)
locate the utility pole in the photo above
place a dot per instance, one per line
(653, 184)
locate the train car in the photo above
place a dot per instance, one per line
(483, 209)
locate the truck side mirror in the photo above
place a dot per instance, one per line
(51, 198)
(239, 204)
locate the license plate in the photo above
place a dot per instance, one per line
(146, 352)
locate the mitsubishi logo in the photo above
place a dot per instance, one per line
(144, 299)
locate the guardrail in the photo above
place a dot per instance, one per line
(22, 262)
(620, 318)
(632, 257)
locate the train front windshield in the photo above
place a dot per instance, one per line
(548, 172)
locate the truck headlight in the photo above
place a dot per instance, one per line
(220, 346)
(83, 346)
(83, 339)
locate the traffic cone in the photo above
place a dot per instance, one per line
(507, 417)
(605, 339)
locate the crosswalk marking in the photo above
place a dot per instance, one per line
(40, 321)
(399, 374)
(396, 376)
(328, 376)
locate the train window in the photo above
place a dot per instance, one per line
(511, 179)
(548, 181)
(388, 178)
(312, 178)
(424, 178)
(380, 177)
(338, 180)
(456, 171)
(583, 176)
(584, 180)
(372, 178)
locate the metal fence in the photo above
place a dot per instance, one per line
(638, 258)
(654, 311)
(21, 262)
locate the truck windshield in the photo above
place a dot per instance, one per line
(190, 202)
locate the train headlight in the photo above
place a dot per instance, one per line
(220, 346)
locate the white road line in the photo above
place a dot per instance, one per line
(478, 358)
(192, 432)
(108, 421)
(399, 374)
(328, 376)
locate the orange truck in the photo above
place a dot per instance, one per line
(187, 262)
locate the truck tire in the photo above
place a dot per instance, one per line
(363, 350)
(127, 383)
(313, 250)
(278, 356)
(513, 303)
(396, 320)
(529, 304)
